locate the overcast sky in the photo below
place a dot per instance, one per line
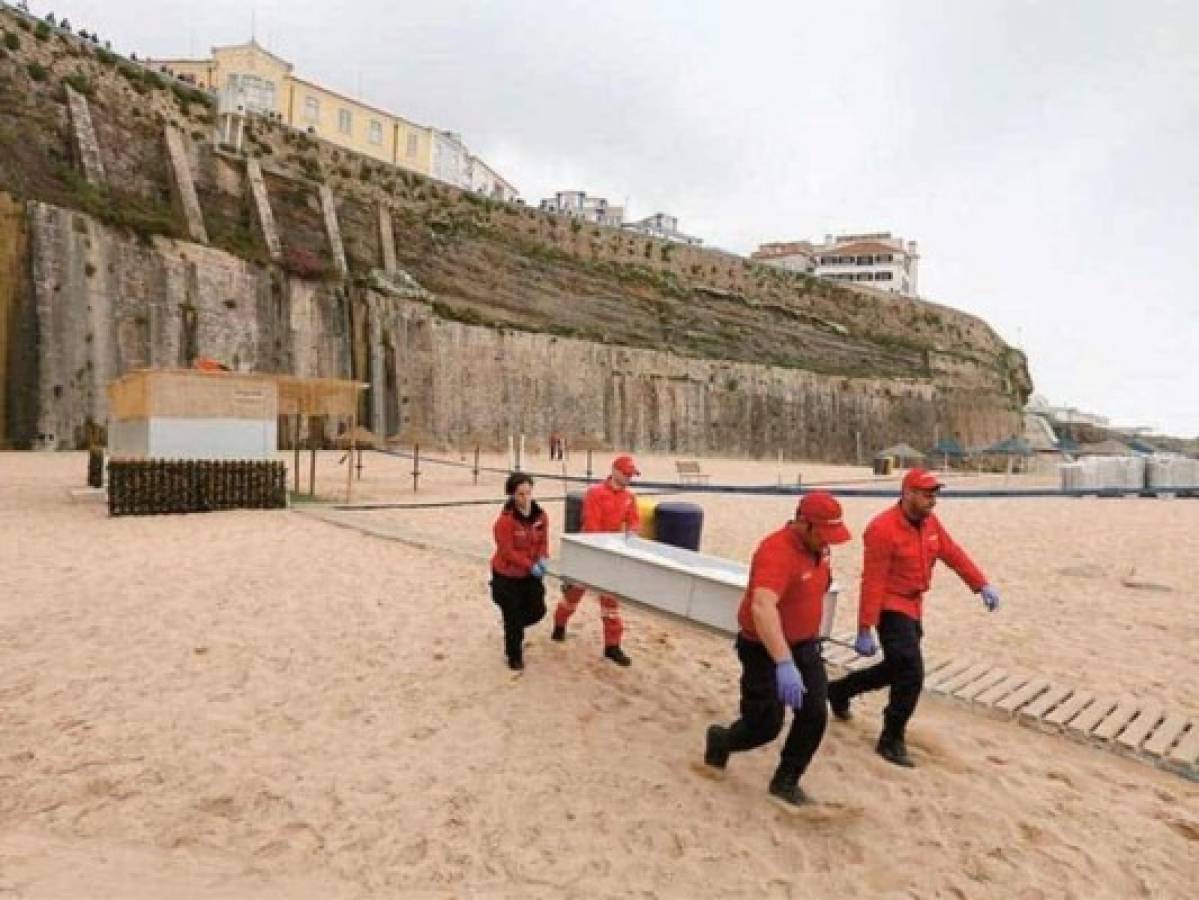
(1044, 154)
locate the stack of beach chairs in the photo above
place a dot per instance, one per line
(1173, 474)
(1104, 473)
(139, 487)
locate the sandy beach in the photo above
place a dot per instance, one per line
(260, 704)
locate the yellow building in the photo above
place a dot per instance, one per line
(257, 81)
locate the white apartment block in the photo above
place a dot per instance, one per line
(880, 260)
(664, 226)
(877, 259)
(578, 205)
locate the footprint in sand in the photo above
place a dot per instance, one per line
(699, 767)
(827, 813)
(1189, 830)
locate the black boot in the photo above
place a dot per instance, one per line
(785, 790)
(559, 633)
(617, 655)
(515, 663)
(838, 701)
(716, 752)
(894, 751)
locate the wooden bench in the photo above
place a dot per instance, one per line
(689, 472)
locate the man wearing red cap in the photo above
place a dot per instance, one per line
(779, 647)
(608, 506)
(901, 546)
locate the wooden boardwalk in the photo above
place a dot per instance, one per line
(1139, 729)
(1129, 726)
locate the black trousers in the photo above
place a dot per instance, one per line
(902, 669)
(762, 712)
(522, 603)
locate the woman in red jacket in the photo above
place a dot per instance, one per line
(522, 533)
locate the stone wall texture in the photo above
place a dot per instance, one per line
(106, 303)
(471, 319)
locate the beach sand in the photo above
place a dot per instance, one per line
(259, 704)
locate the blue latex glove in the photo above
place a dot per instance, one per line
(538, 570)
(990, 597)
(791, 689)
(864, 644)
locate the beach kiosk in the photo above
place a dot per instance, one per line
(189, 414)
(184, 440)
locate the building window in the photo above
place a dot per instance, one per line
(256, 94)
(412, 144)
(312, 109)
(882, 276)
(344, 123)
(376, 132)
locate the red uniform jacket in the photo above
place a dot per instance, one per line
(520, 540)
(607, 509)
(898, 565)
(784, 565)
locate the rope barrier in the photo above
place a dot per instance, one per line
(833, 487)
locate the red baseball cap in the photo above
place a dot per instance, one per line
(625, 466)
(823, 512)
(921, 480)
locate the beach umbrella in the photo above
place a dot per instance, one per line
(1013, 446)
(947, 448)
(902, 453)
(1067, 445)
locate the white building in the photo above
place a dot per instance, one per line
(451, 159)
(578, 205)
(488, 182)
(877, 259)
(794, 256)
(882, 261)
(1063, 415)
(664, 226)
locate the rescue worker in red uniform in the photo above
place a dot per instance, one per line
(608, 506)
(779, 647)
(901, 546)
(521, 549)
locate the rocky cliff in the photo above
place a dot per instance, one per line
(131, 240)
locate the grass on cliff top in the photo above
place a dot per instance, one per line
(139, 216)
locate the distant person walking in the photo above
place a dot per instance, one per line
(901, 546)
(607, 507)
(521, 549)
(779, 646)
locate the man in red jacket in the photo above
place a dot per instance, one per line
(608, 506)
(901, 546)
(779, 647)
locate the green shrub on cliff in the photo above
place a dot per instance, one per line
(80, 83)
(11, 41)
(131, 213)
